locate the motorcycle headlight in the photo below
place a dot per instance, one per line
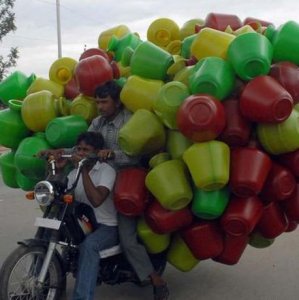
(44, 193)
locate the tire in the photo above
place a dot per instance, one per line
(18, 276)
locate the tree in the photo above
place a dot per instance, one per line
(7, 24)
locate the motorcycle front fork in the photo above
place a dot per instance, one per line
(46, 262)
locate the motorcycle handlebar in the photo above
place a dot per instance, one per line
(51, 156)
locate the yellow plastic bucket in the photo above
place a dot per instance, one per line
(211, 42)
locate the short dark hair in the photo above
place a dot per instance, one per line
(91, 138)
(109, 88)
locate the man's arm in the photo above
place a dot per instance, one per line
(122, 159)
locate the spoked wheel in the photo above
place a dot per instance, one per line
(19, 273)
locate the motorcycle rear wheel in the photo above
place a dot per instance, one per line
(19, 275)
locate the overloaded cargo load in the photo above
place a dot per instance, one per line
(215, 111)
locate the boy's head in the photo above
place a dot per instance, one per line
(94, 140)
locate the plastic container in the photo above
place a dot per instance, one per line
(250, 55)
(169, 184)
(183, 75)
(204, 239)
(188, 28)
(237, 130)
(250, 20)
(281, 137)
(8, 169)
(180, 256)
(62, 132)
(130, 193)
(117, 45)
(105, 36)
(170, 97)
(209, 205)
(291, 206)
(162, 220)
(176, 144)
(124, 73)
(241, 216)
(248, 171)
(280, 184)
(287, 74)
(44, 105)
(43, 84)
(273, 221)
(13, 128)
(264, 100)
(71, 89)
(213, 76)
(211, 42)
(15, 86)
(140, 93)
(62, 69)
(94, 51)
(162, 31)
(85, 107)
(158, 159)
(221, 21)
(135, 139)
(26, 159)
(234, 247)
(201, 118)
(186, 46)
(93, 71)
(208, 163)
(148, 61)
(154, 243)
(24, 182)
(291, 161)
(292, 226)
(242, 30)
(256, 240)
(174, 47)
(285, 45)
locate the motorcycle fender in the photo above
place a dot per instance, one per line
(41, 243)
(34, 243)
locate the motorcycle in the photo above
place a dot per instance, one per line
(39, 267)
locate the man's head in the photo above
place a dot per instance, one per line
(107, 99)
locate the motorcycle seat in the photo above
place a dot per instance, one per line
(110, 251)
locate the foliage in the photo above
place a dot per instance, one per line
(7, 25)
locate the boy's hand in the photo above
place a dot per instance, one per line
(56, 153)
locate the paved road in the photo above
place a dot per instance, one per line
(271, 273)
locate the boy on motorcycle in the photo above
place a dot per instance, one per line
(94, 189)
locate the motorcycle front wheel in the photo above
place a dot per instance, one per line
(19, 273)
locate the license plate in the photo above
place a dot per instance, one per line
(47, 223)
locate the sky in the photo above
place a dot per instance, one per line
(82, 21)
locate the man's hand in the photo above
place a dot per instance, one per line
(106, 154)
